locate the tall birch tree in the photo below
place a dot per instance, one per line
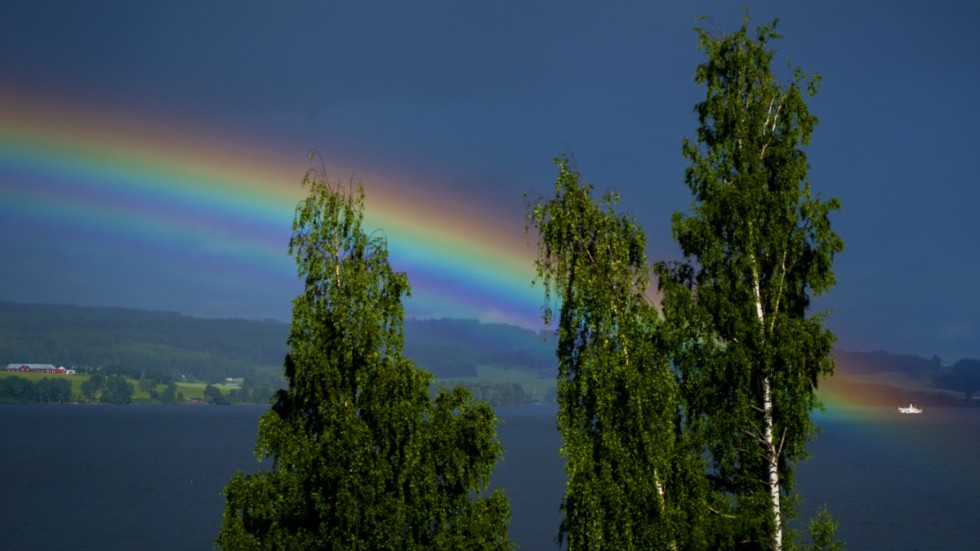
(758, 248)
(362, 458)
(629, 477)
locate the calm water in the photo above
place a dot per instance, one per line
(898, 482)
(150, 477)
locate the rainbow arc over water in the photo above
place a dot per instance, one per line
(167, 184)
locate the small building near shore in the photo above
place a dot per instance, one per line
(38, 368)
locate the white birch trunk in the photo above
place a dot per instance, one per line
(768, 434)
(772, 456)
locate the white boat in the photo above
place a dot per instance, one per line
(910, 409)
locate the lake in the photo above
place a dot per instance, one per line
(150, 477)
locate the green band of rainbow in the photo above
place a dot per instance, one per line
(123, 177)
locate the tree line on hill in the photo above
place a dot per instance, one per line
(167, 347)
(125, 342)
(963, 376)
(450, 348)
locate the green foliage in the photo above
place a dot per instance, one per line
(213, 396)
(114, 389)
(55, 390)
(117, 390)
(93, 388)
(169, 394)
(363, 458)
(497, 394)
(632, 482)
(758, 247)
(15, 389)
(823, 533)
(146, 384)
(684, 434)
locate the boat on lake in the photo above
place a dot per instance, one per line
(910, 409)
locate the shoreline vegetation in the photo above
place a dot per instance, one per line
(499, 387)
(42, 388)
(98, 388)
(852, 386)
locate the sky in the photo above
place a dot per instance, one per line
(151, 153)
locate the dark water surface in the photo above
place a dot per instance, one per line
(897, 482)
(118, 477)
(150, 477)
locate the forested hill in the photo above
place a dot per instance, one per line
(167, 345)
(454, 347)
(211, 349)
(171, 343)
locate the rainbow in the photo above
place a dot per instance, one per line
(123, 177)
(138, 182)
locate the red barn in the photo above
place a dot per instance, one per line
(36, 368)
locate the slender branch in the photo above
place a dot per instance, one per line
(719, 513)
(782, 442)
(779, 288)
(766, 125)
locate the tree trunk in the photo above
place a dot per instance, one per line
(772, 458)
(771, 449)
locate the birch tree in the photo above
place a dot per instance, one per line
(758, 248)
(629, 476)
(362, 458)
